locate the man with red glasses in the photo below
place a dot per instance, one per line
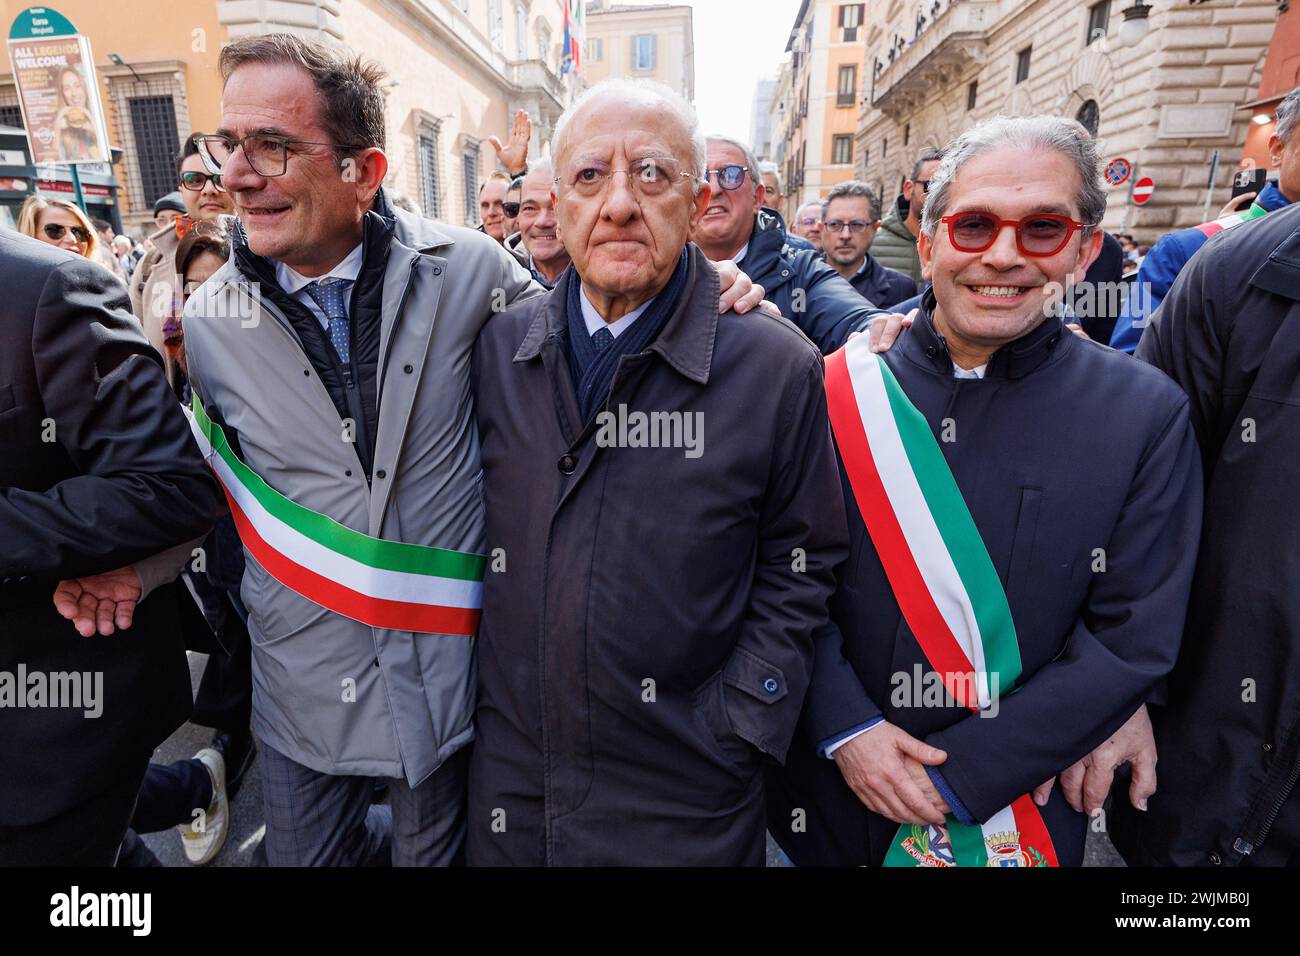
(1018, 576)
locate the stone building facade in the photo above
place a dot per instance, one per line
(1166, 103)
(458, 71)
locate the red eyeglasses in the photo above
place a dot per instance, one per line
(1040, 235)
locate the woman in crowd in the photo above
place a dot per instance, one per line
(58, 222)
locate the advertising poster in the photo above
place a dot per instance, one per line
(59, 93)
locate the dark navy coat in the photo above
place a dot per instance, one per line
(1063, 448)
(808, 292)
(646, 645)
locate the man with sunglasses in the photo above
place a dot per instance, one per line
(155, 286)
(736, 226)
(895, 246)
(851, 216)
(1000, 540)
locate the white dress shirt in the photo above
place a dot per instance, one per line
(976, 372)
(294, 283)
(595, 321)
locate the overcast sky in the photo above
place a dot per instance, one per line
(737, 42)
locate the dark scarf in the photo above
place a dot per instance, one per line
(593, 372)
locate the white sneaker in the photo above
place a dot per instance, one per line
(205, 835)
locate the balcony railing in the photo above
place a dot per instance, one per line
(955, 37)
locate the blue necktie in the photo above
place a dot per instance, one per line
(602, 338)
(329, 295)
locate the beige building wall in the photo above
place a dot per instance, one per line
(1165, 104)
(609, 52)
(808, 110)
(458, 71)
(173, 48)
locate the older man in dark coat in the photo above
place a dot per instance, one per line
(98, 472)
(663, 518)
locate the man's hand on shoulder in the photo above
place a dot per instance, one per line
(739, 293)
(103, 602)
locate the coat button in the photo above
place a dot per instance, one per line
(348, 473)
(932, 351)
(567, 465)
(307, 372)
(437, 270)
(1215, 858)
(771, 686)
(408, 369)
(1053, 339)
(381, 474)
(1268, 748)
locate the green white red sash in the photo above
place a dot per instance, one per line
(1236, 219)
(390, 584)
(944, 581)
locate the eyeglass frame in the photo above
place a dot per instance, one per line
(505, 207)
(200, 141)
(744, 172)
(609, 175)
(835, 231)
(1072, 224)
(214, 177)
(65, 229)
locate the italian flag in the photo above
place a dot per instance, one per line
(1236, 219)
(390, 584)
(936, 562)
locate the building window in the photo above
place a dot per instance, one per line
(907, 133)
(496, 24)
(521, 29)
(1022, 64)
(842, 149)
(884, 148)
(153, 119)
(1089, 117)
(850, 20)
(469, 161)
(427, 148)
(11, 116)
(644, 51)
(972, 90)
(1098, 19)
(596, 49)
(847, 92)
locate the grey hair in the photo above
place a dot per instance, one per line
(755, 174)
(853, 187)
(1288, 112)
(811, 202)
(1025, 133)
(642, 90)
(767, 166)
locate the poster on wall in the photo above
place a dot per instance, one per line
(59, 95)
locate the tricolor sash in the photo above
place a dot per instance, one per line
(944, 581)
(390, 584)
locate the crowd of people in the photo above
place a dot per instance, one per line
(637, 524)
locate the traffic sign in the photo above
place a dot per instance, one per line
(1142, 190)
(1118, 170)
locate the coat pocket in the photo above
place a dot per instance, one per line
(1020, 568)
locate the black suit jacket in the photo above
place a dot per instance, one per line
(97, 471)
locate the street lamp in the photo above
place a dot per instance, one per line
(1136, 23)
(116, 60)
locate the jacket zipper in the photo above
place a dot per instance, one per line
(1254, 836)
